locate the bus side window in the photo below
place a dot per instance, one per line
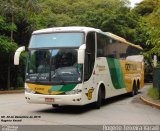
(101, 44)
(110, 48)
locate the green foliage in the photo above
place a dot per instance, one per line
(148, 29)
(146, 7)
(19, 18)
(148, 32)
(6, 26)
(154, 93)
(6, 46)
(154, 32)
(107, 15)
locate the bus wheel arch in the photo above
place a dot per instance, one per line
(103, 89)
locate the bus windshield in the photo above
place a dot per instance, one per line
(57, 66)
(67, 39)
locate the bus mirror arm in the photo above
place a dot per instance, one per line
(81, 54)
(17, 54)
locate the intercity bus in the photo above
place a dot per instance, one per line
(80, 65)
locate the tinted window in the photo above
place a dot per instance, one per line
(108, 47)
(101, 45)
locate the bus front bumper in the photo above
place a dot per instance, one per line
(75, 99)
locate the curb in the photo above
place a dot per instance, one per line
(149, 102)
(12, 92)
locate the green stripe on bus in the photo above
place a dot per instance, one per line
(116, 73)
(64, 88)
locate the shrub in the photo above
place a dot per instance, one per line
(154, 93)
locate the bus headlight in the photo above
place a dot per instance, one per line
(76, 91)
(29, 90)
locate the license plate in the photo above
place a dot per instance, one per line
(49, 99)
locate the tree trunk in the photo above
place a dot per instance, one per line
(8, 77)
(12, 25)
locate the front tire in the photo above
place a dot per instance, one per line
(55, 105)
(98, 103)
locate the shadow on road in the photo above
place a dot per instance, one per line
(82, 109)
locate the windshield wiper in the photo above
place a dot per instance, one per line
(59, 76)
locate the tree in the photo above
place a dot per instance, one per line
(7, 47)
(149, 26)
(21, 17)
(15, 17)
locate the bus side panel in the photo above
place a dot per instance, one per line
(132, 71)
(118, 75)
(142, 75)
(110, 73)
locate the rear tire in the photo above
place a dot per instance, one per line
(98, 103)
(55, 106)
(134, 90)
(138, 87)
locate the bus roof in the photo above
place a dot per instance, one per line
(84, 29)
(118, 38)
(66, 29)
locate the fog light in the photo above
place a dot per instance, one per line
(29, 90)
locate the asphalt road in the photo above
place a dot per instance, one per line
(118, 110)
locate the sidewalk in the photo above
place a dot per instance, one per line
(11, 91)
(148, 100)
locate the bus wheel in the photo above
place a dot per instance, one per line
(138, 87)
(134, 90)
(55, 105)
(97, 104)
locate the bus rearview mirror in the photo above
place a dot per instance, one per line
(81, 54)
(17, 54)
